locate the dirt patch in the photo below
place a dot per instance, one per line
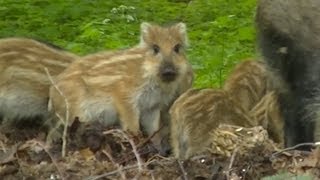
(114, 154)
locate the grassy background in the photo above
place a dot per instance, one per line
(221, 32)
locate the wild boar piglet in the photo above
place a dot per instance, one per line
(133, 87)
(24, 84)
(196, 114)
(267, 114)
(247, 83)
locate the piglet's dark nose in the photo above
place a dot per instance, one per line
(168, 73)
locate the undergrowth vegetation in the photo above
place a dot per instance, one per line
(221, 32)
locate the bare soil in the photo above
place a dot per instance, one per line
(114, 154)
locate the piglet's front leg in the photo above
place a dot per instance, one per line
(128, 116)
(150, 121)
(153, 125)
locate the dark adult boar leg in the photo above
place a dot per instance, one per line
(289, 39)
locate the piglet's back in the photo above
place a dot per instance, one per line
(95, 77)
(29, 54)
(197, 113)
(247, 83)
(24, 84)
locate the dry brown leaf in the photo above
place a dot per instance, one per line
(87, 154)
(8, 155)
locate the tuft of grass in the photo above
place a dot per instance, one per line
(221, 32)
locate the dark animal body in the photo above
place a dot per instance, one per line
(289, 40)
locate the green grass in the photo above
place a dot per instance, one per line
(288, 176)
(221, 32)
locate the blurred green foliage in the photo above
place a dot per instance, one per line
(288, 176)
(221, 32)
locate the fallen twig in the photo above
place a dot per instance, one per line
(111, 173)
(134, 148)
(184, 173)
(123, 176)
(44, 147)
(116, 171)
(149, 138)
(66, 122)
(233, 156)
(293, 148)
(141, 145)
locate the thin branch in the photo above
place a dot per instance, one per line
(233, 156)
(123, 176)
(3, 147)
(142, 144)
(134, 148)
(66, 122)
(294, 147)
(44, 147)
(184, 173)
(149, 137)
(154, 157)
(127, 168)
(111, 173)
(116, 171)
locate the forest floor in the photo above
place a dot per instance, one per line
(114, 154)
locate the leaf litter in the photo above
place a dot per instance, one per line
(236, 153)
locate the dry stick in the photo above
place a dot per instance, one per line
(233, 156)
(123, 176)
(152, 176)
(116, 171)
(159, 156)
(51, 157)
(111, 173)
(198, 157)
(294, 147)
(184, 173)
(134, 148)
(150, 137)
(65, 129)
(3, 147)
(142, 144)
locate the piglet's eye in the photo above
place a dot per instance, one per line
(155, 49)
(177, 48)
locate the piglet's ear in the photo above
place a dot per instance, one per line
(182, 29)
(145, 30)
(144, 27)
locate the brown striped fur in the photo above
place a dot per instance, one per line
(24, 84)
(196, 113)
(247, 83)
(267, 113)
(245, 100)
(127, 86)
